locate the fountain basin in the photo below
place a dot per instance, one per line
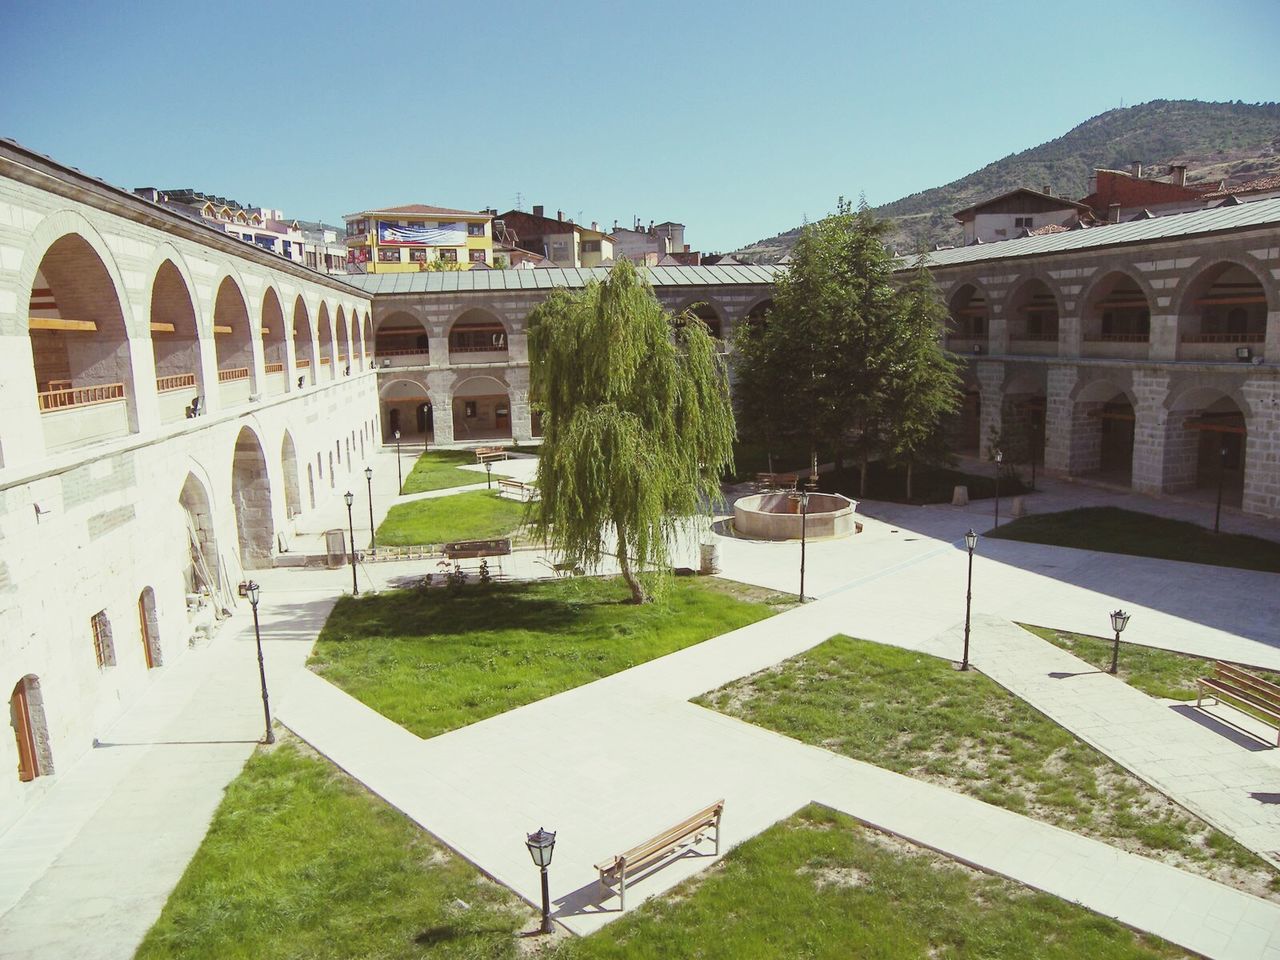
(776, 516)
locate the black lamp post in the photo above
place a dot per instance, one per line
(252, 589)
(368, 479)
(350, 498)
(1222, 474)
(541, 846)
(999, 460)
(802, 497)
(488, 469)
(1119, 620)
(399, 475)
(970, 541)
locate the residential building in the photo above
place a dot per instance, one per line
(323, 247)
(595, 247)
(261, 226)
(649, 244)
(555, 238)
(417, 237)
(1019, 212)
(1117, 195)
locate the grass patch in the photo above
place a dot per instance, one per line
(438, 470)
(301, 863)
(1113, 530)
(916, 715)
(928, 484)
(478, 515)
(433, 660)
(820, 886)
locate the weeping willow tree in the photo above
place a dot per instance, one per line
(637, 425)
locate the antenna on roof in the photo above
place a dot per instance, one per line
(519, 200)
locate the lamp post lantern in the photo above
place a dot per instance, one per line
(803, 498)
(999, 460)
(1222, 474)
(970, 541)
(252, 589)
(350, 498)
(541, 846)
(368, 479)
(399, 475)
(488, 469)
(1119, 620)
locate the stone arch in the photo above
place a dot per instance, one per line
(401, 339)
(233, 339)
(366, 336)
(405, 405)
(758, 311)
(304, 342)
(710, 311)
(478, 335)
(342, 355)
(1223, 307)
(176, 342)
(1023, 407)
(78, 324)
(482, 409)
(31, 729)
(204, 574)
(1117, 309)
(275, 342)
(969, 310)
(251, 497)
(1206, 440)
(324, 337)
(289, 470)
(149, 628)
(1031, 312)
(1103, 430)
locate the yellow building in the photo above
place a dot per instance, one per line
(418, 237)
(596, 246)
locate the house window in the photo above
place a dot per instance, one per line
(103, 648)
(419, 255)
(477, 256)
(388, 256)
(1020, 222)
(449, 256)
(590, 246)
(475, 229)
(469, 409)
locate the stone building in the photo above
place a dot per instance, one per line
(174, 398)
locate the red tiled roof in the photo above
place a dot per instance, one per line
(1259, 185)
(419, 210)
(1049, 228)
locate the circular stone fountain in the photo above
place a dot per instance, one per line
(776, 516)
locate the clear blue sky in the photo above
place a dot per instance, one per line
(738, 119)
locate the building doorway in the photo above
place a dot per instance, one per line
(26, 714)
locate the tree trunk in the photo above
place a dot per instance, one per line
(862, 476)
(910, 467)
(638, 594)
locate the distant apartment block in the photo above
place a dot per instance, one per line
(262, 226)
(417, 237)
(649, 245)
(560, 242)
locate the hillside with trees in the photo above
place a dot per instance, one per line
(1217, 141)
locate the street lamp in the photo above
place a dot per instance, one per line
(970, 541)
(350, 498)
(999, 460)
(1119, 620)
(803, 497)
(368, 479)
(252, 589)
(541, 846)
(1222, 473)
(488, 469)
(399, 475)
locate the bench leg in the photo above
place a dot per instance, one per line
(622, 890)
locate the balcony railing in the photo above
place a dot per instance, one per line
(238, 373)
(1224, 337)
(325, 361)
(302, 364)
(177, 381)
(401, 352)
(80, 396)
(1117, 338)
(275, 368)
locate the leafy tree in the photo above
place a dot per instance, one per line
(925, 386)
(636, 423)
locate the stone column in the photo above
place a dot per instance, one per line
(1070, 335)
(142, 377)
(1061, 381)
(1262, 447)
(1271, 348)
(1163, 344)
(518, 395)
(997, 333)
(440, 390)
(1160, 444)
(438, 345)
(518, 347)
(991, 387)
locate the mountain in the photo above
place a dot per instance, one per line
(1217, 141)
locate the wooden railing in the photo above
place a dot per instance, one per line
(80, 396)
(239, 373)
(177, 381)
(1033, 338)
(302, 364)
(275, 368)
(325, 361)
(1117, 338)
(1223, 337)
(401, 352)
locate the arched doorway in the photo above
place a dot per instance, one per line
(289, 466)
(969, 325)
(401, 341)
(233, 345)
(481, 410)
(175, 340)
(1224, 309)
(251, 497)
(1205, 446)
(709, 315)
(274, 339)
(149, 628)
(1102, 433)
(304, 356)
(366, 341)
(1117, 312)
(204, 574)
(31, 729)
(1022, 415)
(477, 336)
(325, 335)
(80, 348)
(1033, 319)
(403, 403)
(342, 366)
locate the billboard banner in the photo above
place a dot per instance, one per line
(422, 234)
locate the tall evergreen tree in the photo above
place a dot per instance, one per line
(636, 423)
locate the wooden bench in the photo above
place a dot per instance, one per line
(485, 454)
(776, 481)
(516, 489)
(1241, 689)
(653, 851)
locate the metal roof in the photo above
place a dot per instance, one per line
(1259, 213)
(431, 281)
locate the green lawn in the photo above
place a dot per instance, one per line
(438, 470)
(433, 661)
(478, 515)
(821, 887)
(928, 484)
(301, 863)
(919, 716)
(1113, 530)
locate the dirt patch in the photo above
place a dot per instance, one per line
(834, 876)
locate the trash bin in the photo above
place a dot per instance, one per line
(335, 546)
(710, 558)
(960, 496)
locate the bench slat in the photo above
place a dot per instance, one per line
(1244, 696)
(1245, 678)
(659, 846)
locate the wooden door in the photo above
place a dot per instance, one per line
(28, 765)
(145, 630)
(502, 416)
